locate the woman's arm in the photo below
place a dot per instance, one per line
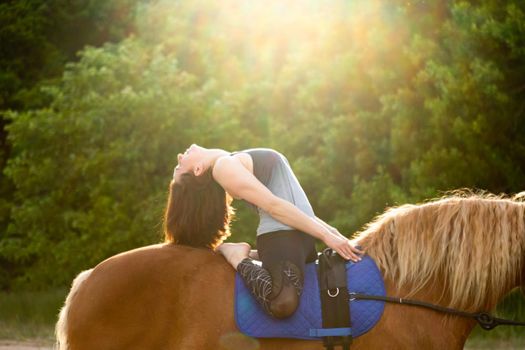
(241, 183)
(328, 227)
(336, 232)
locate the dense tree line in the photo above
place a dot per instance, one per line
(38, 37)
(374, 103)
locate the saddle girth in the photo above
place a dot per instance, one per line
(335, 306)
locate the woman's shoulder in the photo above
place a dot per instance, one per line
(228, 162)
(259, 150)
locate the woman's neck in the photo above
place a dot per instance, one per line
(211, 156)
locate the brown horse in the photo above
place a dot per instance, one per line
(462, 252)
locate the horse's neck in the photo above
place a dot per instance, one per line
(433, 292)
(437, 291)
(431, 324)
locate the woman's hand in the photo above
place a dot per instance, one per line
(343, 246)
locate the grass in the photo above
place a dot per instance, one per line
(512, 308)
(32, 316)
(502, 337)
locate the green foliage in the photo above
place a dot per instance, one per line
(374, 103)
(470, 105)
(92, 170)
(38, 37)
(30, 315)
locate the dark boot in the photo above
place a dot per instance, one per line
(286, 290)
(278, 290)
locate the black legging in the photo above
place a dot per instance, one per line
(278, 283)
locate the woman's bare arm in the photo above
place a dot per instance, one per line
(328, 227)
(241, 183)
(336, 231)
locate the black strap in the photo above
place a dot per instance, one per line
(334, 297)
(485, 320)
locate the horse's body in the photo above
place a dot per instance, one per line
(176, 297)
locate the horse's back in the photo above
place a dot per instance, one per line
(135, 300)
(168, 297)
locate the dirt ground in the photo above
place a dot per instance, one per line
(16, 345)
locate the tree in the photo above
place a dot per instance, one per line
(91, 170)
(374, 103)
(38, 38)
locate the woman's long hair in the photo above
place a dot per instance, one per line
(198, 212)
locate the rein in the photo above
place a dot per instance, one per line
(485, 320)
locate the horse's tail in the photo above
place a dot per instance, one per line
(61, 326)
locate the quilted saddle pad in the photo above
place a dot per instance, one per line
(362, 277)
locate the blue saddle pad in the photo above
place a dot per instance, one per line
(362, 277)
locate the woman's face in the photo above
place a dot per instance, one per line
(186, 161)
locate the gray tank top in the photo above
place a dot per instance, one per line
(272, 169)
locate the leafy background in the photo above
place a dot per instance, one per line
(375, 103)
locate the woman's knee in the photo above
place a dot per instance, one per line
(285, 304)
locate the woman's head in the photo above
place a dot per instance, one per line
(193, 160)
(198, 212)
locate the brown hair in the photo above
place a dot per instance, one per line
(198, 212)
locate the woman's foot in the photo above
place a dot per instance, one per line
(234, 253)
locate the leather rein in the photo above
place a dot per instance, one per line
(485, 320)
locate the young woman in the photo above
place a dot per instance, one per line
(198, 214)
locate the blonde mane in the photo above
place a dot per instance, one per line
(470, 247)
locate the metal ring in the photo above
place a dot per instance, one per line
(336, 293)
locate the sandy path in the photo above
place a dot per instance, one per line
(16, 345)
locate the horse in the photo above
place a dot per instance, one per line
(460, 251)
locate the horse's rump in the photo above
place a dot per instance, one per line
(134, 299)
(61, 326)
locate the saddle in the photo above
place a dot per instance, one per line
(307, 322)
